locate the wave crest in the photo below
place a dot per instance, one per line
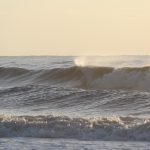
(12, 72)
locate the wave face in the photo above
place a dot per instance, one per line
(112, 129)
(83, 77)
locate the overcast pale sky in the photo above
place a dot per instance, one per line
(74, 27)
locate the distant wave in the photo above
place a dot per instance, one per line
(84, 77)
(112, 129)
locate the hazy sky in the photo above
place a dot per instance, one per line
(74, 27)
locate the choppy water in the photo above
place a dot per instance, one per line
(70, 101)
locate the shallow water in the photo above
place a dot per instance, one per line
(67, 144)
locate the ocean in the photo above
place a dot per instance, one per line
(75, 103)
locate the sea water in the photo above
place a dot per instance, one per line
(75, 102)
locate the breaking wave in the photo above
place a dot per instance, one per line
(83, 77)
(112, 129)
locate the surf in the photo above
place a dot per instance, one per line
(112, 129)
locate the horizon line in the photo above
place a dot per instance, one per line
(72, 55)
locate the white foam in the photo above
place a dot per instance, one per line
(113, 129)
